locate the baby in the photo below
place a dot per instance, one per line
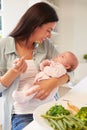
(60, 65)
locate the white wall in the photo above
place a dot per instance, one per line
(31, 2)
(80, 33)
(72, 27)
(12, 11)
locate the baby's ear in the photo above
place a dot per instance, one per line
(67, 66)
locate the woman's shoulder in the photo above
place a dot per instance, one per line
(6, 41)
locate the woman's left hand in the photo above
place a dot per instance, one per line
(43, 88)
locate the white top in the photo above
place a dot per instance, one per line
(26, 104)
(26, 78)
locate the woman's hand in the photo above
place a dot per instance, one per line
(19, 65)
(43, 88)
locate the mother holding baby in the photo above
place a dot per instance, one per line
(26, 47)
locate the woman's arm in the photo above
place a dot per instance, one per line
(14, 72)
(9, 77)
(44, 87)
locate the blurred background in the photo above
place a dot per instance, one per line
(70, 32)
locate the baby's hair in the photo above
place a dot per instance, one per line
(74, 62)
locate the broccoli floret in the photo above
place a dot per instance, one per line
(82, 115)
(57, 110)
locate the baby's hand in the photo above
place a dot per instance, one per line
(19, 65)
(44, 63)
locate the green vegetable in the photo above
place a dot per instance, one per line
(57, 110)
(82, 115)
(61, 119)
(85, 56)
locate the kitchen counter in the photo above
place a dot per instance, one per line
(77, 96)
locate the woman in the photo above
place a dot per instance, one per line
(34, 27)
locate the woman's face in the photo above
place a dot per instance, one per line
(43, 32)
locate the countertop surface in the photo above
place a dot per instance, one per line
(77, 96)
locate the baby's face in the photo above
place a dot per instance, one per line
(63, 58)
(68, 59)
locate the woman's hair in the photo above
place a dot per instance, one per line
(37, 15)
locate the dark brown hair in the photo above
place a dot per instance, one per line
(37, 15)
